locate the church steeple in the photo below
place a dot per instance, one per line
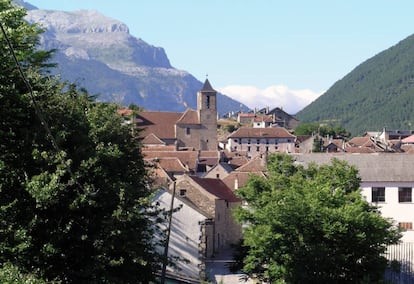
(206, 97)
(207, 87)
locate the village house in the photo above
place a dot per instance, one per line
(213, 197)
(261, 140)
(189, 226)
(386, 181)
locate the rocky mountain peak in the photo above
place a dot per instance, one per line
(101, 55)
(77, 22)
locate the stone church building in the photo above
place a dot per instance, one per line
(190, 130)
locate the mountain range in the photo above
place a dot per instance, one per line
(377, 94)
(99, 54)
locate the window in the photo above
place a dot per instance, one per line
(257, 141)
(378, 194)
(405, 226)
(267, 141)
(217, 175)
(248, 148)
(235, 148)
(236, 141)
(187, 131)
(257, 148)
(404, 194)
(276, 142)
(267, 148)
(208, 102)
(183, 192)
(248, 141)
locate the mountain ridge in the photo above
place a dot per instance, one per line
(377, 93)
(117, 65)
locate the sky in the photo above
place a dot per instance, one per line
(274, 53)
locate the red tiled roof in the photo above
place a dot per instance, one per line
(216, 187)
(189, 117)
(242, 178)
(359, 141)
(247, 115)
(409, 139)
(257, 164)
(162, 124)
(270, 132)
(366, 150)
(171, 165)
(210, 161)
(263, 118)
(238, 161)
(152, 139)
(158, 148)
(124, 111)
(186, 157)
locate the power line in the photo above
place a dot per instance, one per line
(39, 111)
(37, 108)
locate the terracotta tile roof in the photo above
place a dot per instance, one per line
(337, 142)
(271, 132)
(247, 115)
(216, 187)
(257, 164)
(124, 111)
(171, 164)
(159, 177)
(162, 124)
(186, 157)
(238, 161)
(210, 154)
(302, 138)
(158, 148)
(190, 116)
(152, 139)
(359, 141)
(242, 178)
(208, 161)
(366, 150)
(409, 139)
(263, 118)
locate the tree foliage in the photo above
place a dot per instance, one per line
(74, 194)
(308, 128)
(312, 225)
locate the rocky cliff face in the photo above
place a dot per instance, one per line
(99, 54)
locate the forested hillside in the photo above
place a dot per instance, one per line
(378, 93)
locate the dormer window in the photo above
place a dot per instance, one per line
(183, 192)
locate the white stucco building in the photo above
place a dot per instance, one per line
(187, 229)
(387, 180)
(261, 140)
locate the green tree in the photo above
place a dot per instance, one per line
(312, 225)
(309, 128)
(74, 192)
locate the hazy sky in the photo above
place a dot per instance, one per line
(282, 53)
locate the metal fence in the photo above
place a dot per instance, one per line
(401, 263)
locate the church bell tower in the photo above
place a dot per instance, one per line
(207, 113)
